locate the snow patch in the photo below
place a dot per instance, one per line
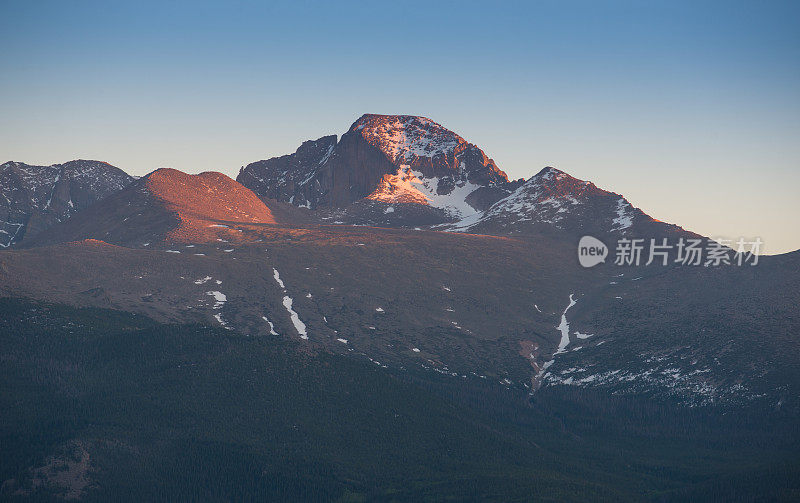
(219, 297)
(218, 316)
(624, 218)
(271, 326)
(409, 186)
(277, 277)
(564, 327)
(287, 303)
(296, 321)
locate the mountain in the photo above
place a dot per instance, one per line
(166, 205)
(187, 325)
(552, 199)
(287, 177)
(490, 301)
(409, 171)
(206, 249)
(37, 197)
(392, 160)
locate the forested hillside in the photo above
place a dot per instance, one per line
(102, 405)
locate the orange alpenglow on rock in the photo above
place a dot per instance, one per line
(201, 201)
(168, 206)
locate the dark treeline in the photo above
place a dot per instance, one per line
(191, 413)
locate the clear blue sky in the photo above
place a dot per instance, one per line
(690, 109)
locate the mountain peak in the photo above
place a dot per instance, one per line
(406, 137)
(385, 158)
(80, 163)
(550, 172)
(372, 118)
(553, 178)
(554, 199)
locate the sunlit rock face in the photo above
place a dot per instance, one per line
(429, 148)
(387, 159)
(36, 197)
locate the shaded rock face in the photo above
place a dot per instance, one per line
(387, 158)
(290, 178)
(352, 171)
(36, 197)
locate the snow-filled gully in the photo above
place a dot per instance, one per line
(287, 303)
(219, 302)
(563, 327)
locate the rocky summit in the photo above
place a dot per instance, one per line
(388, 159)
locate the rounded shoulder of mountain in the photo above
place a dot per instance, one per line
(210, 195)
(166, 205)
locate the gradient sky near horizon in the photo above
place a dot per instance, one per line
(691, 109)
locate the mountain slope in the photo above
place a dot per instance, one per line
(383, 291)
(697, 335)
(166, 205)
(36, 197)
(103, 405)
(514, 311)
